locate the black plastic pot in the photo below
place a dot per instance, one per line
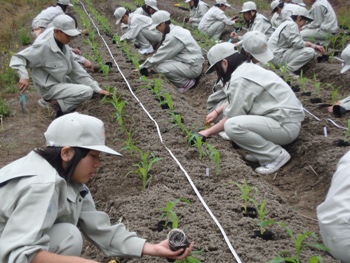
(251, 212)
(307, 93)
(267, 235)
(109, 64)
(295, 88)
(316, 100)
(177, 239)
(338, 111)
(161, 225)
(195, 136)
(323, 58)
(342, 143)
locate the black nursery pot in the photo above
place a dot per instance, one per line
(267, 235)
(251, 212)
(338, 111)
(177, 239)
(295, 88)
(323, 58)
(109, 64)
(161, 225)
(192, 139)
(342, 143)
(308, 93)
(316, 100)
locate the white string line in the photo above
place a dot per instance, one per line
(161, 139)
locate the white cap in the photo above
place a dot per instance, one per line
(218, 53)
(152, 3)
(187, 1)
(255, 43)
(78, 130)
(64, 2)
(345, 55)
(66, 24)
(302, 11)
(274, 4)
(158, 18)
(118, 13)
(222, 2)
(248, 6)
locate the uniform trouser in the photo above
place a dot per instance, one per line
(316, 35)
(215, 30)
(261, 136)
(294, 58)
(336, 237)
(215, 100)
(146, 37)
(179, 73)
(65, 239)
(345, 103)
(68, 95)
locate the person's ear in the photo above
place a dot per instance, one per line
(224, 64)
(67, 153)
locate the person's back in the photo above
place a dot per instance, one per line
(197, 12)
(262, 24)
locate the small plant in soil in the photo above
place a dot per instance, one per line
(214, 155)
(144, 166)
(298, 240)
(345, 140)
(246, 192)
(262, 212)
(335, 92)
(302, 82)
(191, 258)
(168, 213)
(129, 143)
(197, 140)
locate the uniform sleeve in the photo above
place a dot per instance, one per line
(261, 24)
(317, 14)
(113, 240)
(32, 212)
(222, 17)
(292, 35)
(132, 33)
(202, 9)
(169, 48)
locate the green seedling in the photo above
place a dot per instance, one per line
(143, 168)
(129, 142)
(298, 240)
(246, 193)
(191, 258)
(196, 140)
(118, 105)
(116, 39)
(347, 133)
(214, 155)
(169, 101)
(168, 213)
(317, 85)
(335, 92)
(302, 81)
(262, 212)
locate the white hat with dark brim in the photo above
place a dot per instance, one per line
(222, 2)
(152, 3)
(302, 11)
(218, 53)
(158, 18)
(248, 6)
(118, 14)
(64, 2)
(66, 24)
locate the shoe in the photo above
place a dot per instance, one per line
(44, 103)
(251, 158)
(275, 165)
(146, 50)
(224, 136)
(190, 84)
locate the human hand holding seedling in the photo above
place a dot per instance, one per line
(162, 249)
(23, 84)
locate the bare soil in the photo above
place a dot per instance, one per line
(292, 193)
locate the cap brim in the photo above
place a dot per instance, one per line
(345, 68)
(155, 8)
(71, 5)
(211, 69)
(243, 11)
(72, 32)
(118, 21)
(264, 57)
(102, 148)
(153, 27)
(227, 5)
(274, 10)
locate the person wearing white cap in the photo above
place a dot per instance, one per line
(324, 24)
(138, 30)
(148, 9)
(45, 204)
(179, 58)
(342, 106)
(42, 20)
(214, 21)
(58, 78)
(287, 44)
(197, 10)
(281, 11)
(333, 213)
(261, 112)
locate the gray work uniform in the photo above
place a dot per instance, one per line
(138, 11)
(46, 16)
(288, 47)
(39, 211)
(213, 22)
(261, 24)
(324, 25)
(138, 29)
(196, 13)
(179, 58)
(56, 75)
(263, 112)
(333, 214)
(286, 12)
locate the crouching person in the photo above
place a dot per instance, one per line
(58, 78)
(45, 202)
(179, 58)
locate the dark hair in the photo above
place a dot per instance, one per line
(219, 5)
(251, 21)
(246, 54)
(53, 156)
(281, 5)
(234, 61)
(64, 7)
(195, 3)
(167, 30)
(146, 9)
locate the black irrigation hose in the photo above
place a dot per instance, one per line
(161, 140)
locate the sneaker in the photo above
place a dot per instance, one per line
(146, 50)
(44, 103)
(275, 165)
(251, 158)
(190, 84)
(224, 135)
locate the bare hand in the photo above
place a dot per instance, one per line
(103, 92)
(76, 51)
(211, 117)
(320, 49)
(23, 84)
(234, 35)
